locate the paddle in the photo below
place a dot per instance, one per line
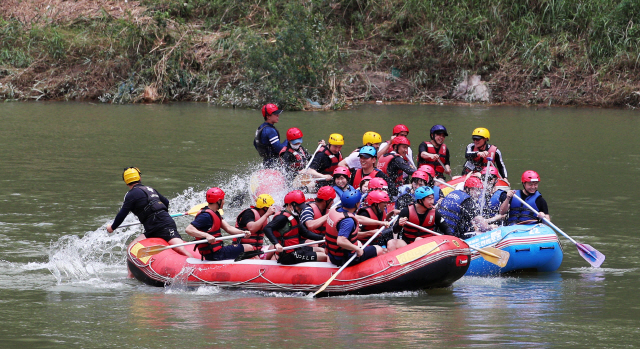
(353, 257)
(490, 254)
(155, 249)
(195, 209)
(590, 254)
(445, 183)
(314, 155)
(251, 254)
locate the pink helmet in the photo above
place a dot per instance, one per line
(341, 170)
(428, 169)
(420, 175)
(530, 176)
(378, 183)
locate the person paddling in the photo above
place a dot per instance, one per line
(208, 225)
(368, 159)
(435, 153)
(520, 214)
(460, 210)
(369, 139)
(151, 208)
(314, 214)
(480, 151)
(376, 204)
(327, 158)
(421, 213)
(294, 156)
(254, 219)
(286, 230)
(267, 139)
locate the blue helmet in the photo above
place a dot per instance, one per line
(368, 150)
(438, 128)
(423, 192)
(351, 198)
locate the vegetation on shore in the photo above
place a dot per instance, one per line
(310, 53)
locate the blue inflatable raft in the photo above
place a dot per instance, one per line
(531, 248)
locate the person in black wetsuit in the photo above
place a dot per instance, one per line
(151, 208)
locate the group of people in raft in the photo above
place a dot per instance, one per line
(355, 197)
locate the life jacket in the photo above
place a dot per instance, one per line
(154, 205)
(478, 163)
(264, 150)
(450, 209)
(317, 214)
(290, 234)
(520, 213)
(442, 152)
(357, 178)
(335, 159)
(256, 238)
(331, 236)
(493, 205)
(429, 222)
(300, 155)
(206, 248)
(339, 191)
(383, 165)
(373, 215)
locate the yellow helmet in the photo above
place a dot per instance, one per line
(371, 137)
(336, 139)
(131, 174)
(482, 132)
(264, 200)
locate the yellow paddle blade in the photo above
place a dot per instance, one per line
(494, 255)
(195, 209)
(150, 251)
(221, 212)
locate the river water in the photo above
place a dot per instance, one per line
(63, 282)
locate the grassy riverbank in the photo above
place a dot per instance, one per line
(243, 53)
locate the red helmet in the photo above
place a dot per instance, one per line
(400, 128)
(530, 176)
(270, 109)
(473, 182)
(378, 183)
(295, 196)
(493, 171)
(400, 140)
(420, 175)
(377, 196)
(428, 169)
(214, 195)
(293, 133)
(326, 193)
(340, 170)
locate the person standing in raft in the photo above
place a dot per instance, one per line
(151, 208)
(398, 131)
(267, 139)
(368, 159)
(294, 156)
(208, 224)
(460, 211)
(369, 139)
(435, 153)
(480, 151)
(520, 214)
(285, 230)
(421, 213)
(254, 219)
(327, 158)
(396, 163)
(342, 233)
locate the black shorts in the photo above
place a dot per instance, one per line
(226, 252)
(369, 252)
(299, 255)
(165, 233)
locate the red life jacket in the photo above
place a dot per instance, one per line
(431, 149)
(317, 214)
(256, 238)
(331, 236)
(359, 175)
(300, 156)
(290, 237)
(483, 161)
(334, 160)
(372, 215)
(411, 233)
(383, 163)
(206, 248)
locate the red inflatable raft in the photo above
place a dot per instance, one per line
(428, 263)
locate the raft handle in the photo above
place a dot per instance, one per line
(547, 248)
(524, 250)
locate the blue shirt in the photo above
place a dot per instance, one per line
(271, 137)
(203, 222)
(346, 226)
